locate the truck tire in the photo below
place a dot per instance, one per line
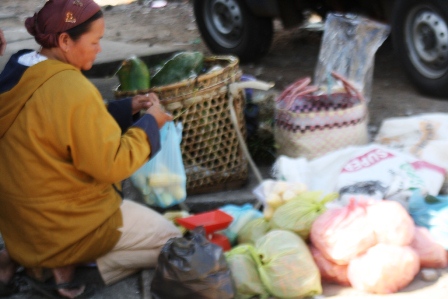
(228, 27)
(420, 39)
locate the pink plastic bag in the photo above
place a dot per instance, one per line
(391, 222)
(329, 271)
(343, 233)
(431, 253)
(384, 269)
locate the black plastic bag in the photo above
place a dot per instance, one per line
(192, 267)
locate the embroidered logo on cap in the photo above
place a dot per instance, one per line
(69, 18)
(78, 3)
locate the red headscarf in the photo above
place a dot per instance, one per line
(58, 16)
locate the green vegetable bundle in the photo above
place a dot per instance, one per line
(133, 75)
(181, 66)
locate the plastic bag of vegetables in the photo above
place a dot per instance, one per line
(286, 266)
(299, 213)
(274, 193)
(162, 180)
(241, 260)
(254, 230)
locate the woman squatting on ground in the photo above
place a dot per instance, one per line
(64, 154)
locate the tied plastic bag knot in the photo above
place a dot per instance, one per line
(192, 267)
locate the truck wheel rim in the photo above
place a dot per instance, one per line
(225, 22)
(426, 35)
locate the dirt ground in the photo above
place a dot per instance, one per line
(293, 53)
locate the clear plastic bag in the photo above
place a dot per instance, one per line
(286, 266)
(243, 266)
(348, 47)
(298, 214)
(162, 180)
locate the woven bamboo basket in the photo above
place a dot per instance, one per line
(211, 151)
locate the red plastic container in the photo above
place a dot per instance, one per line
(212, 221)
(221, 240)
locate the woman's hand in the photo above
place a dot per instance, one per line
(143, 102)
(157, 110)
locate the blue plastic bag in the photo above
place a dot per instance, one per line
(241, 216)
(431, 212)
(162, 180)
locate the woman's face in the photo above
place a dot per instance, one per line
(82, 52)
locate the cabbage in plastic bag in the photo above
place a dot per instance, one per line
(241, 260)
(299, 213)
(253, 230)
(286, 266)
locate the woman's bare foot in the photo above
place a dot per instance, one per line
(66, 275)
(7, 267)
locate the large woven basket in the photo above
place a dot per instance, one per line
(211, 151)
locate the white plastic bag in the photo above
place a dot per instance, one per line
(162, 180)
(425, 136)
(274, 193)
(383, 173)
(373, 170)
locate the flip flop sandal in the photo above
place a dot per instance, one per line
(50, 289)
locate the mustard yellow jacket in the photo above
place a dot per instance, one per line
(60, 153)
